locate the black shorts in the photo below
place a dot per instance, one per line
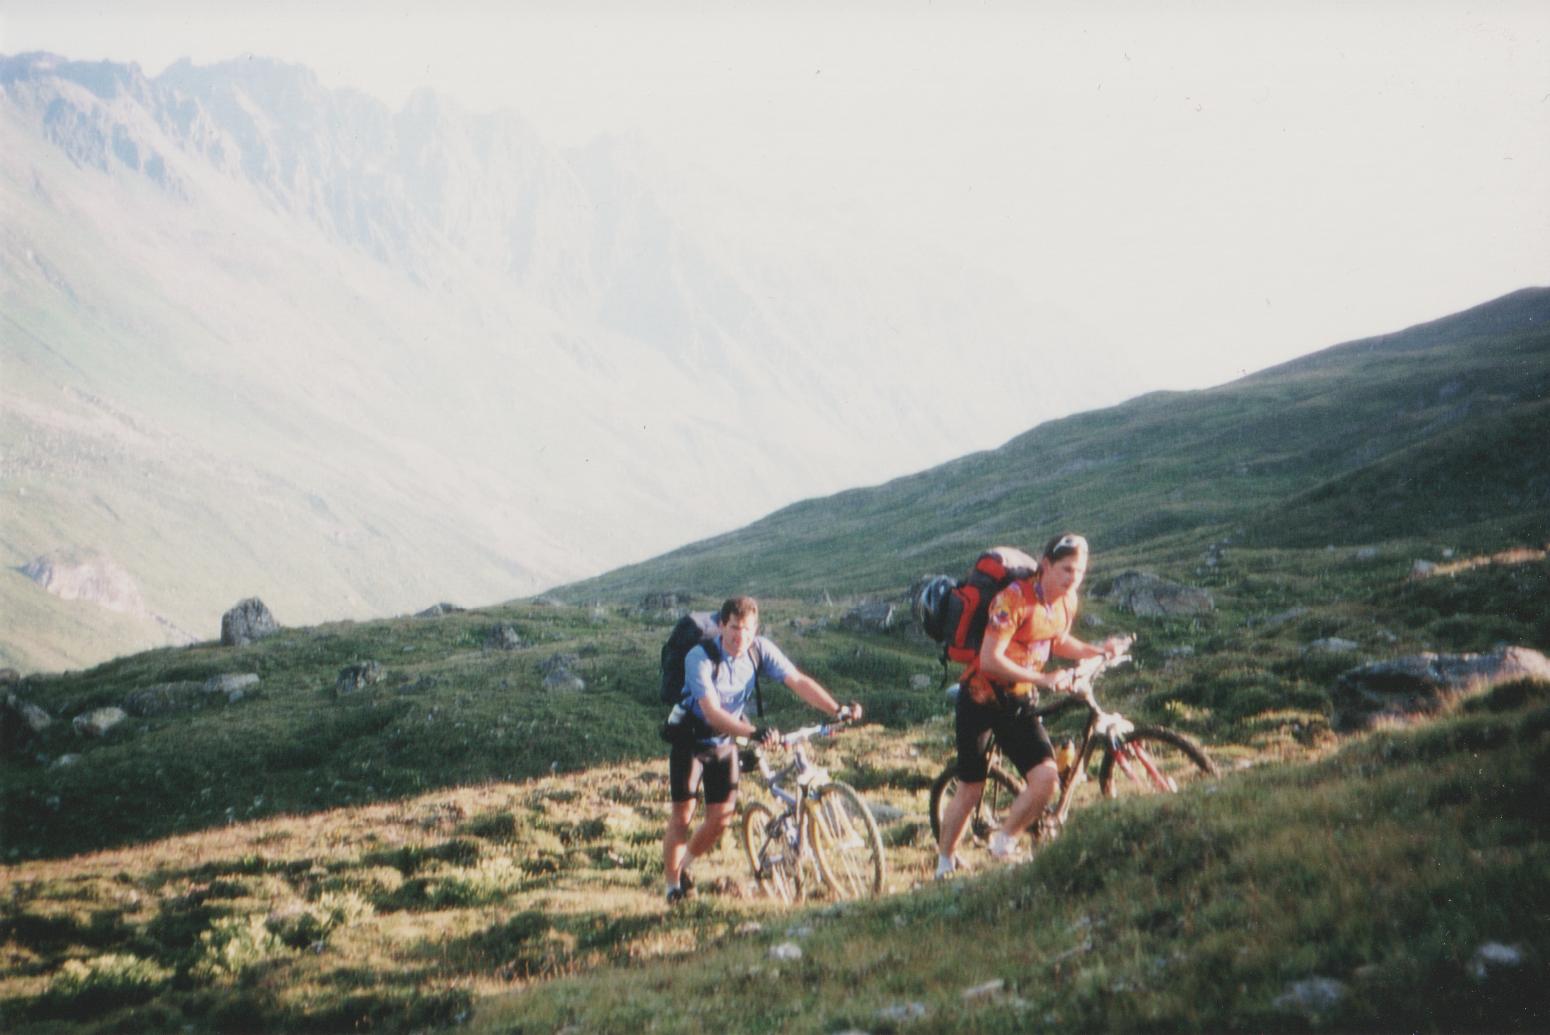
(1021, 737)
(714, 765)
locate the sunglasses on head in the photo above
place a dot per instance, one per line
(1068, 544)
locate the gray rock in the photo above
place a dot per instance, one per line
(921, 681)
(357, 677)
(872, 615)
(1367, 553)
(902, 1013)
(666, 600)
(1422, 683)
(1333, 645)
(563, 662)
(1312, 997)
(503, 637)
(21, 724)
(248, 622)
(564, 680)
(786, 952)
(885, 813)
(64, 761)
(1289, 615)
(98, 722)
(437, 610)
(233, 686)
(1421, 569)
(165, 699)
(1495, 958)
(1148, 595)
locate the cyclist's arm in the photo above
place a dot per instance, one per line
(996, 666)
(811, 691)
(723, 721)
(1073, 649)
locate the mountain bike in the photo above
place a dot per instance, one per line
(824, 834)
(1134, 759)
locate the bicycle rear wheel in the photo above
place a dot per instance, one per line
(846, 842)
(1000, 791)
(1153, 760)
(771, 849)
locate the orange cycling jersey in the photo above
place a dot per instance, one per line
(1018, 611)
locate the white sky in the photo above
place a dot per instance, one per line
(1213, 186)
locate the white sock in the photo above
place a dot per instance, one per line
(945, 864)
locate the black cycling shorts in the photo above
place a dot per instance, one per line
(715, 766)
(1021, 737)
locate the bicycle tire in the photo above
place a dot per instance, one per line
(1175, 759)
(846, 842)
(769, 854)
(1001, 789)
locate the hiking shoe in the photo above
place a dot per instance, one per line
(946, 868)
(1005, 848)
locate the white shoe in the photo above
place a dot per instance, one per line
(1004, 848)
(946, 867)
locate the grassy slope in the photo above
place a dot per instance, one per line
(412, 837)
(1434, 429)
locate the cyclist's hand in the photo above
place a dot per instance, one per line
(1114, 646)
(766, 736)
(1063, 680)
(850, 712)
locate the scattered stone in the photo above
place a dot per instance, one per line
(786, 952)
(21, 724)
(353, 678)
(1148, 595)
(666, 600)
(1367, 553)
(1290, 615)
(1421, 569)
(65, 761)
(1333, 645)
(165, 699)
(98, 722)
(988, 990)
(233, 686)
(749, 927)
(1495, 958)
(871, 615)
(564, 681)
(902, 1013)
(921, 681)
(503, 637)
(1183, 650)
(1312, 997)
(437, 610)
(248, 622)
(564, 662)
(1422, 683)
(885, 813)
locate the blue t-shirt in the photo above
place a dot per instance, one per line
(732, 681)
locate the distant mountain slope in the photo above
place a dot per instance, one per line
(1437, 431)
(262, 337)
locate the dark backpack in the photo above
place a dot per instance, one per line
(954, 614)
(699, 629)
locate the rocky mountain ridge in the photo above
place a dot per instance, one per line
(263, 337)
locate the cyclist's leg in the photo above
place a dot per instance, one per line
(721, 777)
(1027, 746)
(685, 770)
(971, 728)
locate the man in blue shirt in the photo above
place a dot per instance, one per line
(719, 690)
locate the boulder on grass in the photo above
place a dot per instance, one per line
(248, 622)
(1147, 595)
(1422, 684)
(98, 722)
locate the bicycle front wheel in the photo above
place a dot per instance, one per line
(846, 842)
(1153, 760)
(1000, 791)
(771, 852)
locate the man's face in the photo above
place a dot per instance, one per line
(738, 633)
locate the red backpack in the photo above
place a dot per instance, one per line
(954, 614)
